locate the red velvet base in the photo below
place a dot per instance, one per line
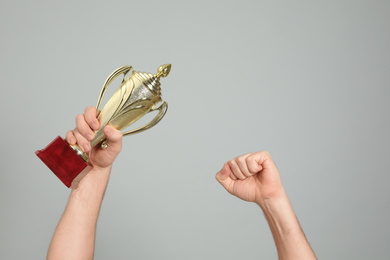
(62, 160)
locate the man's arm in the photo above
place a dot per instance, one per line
(74, 237)
(254, 177)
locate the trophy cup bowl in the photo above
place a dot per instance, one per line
(137, 95)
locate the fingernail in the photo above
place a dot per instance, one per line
(90, 137)
(95, 126)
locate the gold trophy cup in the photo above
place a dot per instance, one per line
(137, 95)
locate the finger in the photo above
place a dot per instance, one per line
(70, 138)
(236, 170)
(233, 176)
(90, 118)
(114, 137)
(223, 177)
(241, 162)
(267, 162)
(82, 142)
(83, 128)
(260, 161)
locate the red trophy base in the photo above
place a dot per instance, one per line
(62, 160)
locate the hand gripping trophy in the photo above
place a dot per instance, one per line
(137, 95)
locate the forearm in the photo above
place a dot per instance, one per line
(74, 237)
(290, 240)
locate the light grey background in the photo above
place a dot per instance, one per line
(306, 80)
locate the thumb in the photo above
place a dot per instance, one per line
(114, 136)
(223, 177)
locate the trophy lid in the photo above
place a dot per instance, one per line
(152, 81)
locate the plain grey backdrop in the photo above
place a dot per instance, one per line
(306, 80)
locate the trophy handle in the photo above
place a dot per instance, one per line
(124, 69)
(163, 109)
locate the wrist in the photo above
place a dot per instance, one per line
(94, 178)
(275, 205)
(273, 199)
(280, 215)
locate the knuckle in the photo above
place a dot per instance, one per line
(265, 153)
(230, 163)
(79, 117)
(241, 159)
(249, 159)
(90, 111)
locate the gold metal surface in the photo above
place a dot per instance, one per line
(138, 95)
(79, 152)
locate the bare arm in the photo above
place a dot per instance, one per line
(254, 177)
(74, 237)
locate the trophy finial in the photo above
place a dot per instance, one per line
(163, 71)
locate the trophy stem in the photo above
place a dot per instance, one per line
(79, 152)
